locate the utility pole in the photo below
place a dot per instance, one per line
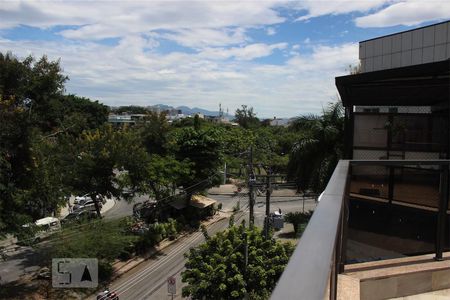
(268, 192)
(245, 252)
(251, 181)
(225, 174)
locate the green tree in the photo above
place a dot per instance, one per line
(316, 154)
(298, 220)
(26, 88)
(236, 141)
(35, 116)
(217, 269)
(154, 130)
(75, 114)
(164, 173)
(202, 148)
(103, 161)
(245, 117)
(131, 109)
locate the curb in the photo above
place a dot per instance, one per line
(291, 200)
(221, 194)
(233, 194)
(159, 250)
(116, 276)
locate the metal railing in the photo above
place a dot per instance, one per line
(320, 254)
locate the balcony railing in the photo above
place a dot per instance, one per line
(321, 252)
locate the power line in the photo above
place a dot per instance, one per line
(94, 222)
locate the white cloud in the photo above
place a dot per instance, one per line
(126, 74)
(271, 31)
(407, 13)
(316, 8)
(248, 52)
(206, 37)
(222, 67)
(109, 19)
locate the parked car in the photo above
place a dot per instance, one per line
(79, 216)
(81, 199)
(86, 205)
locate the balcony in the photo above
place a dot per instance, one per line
(380, 231)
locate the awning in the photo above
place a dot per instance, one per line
(418, 85)
(200, 201)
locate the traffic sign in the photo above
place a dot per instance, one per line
(171, 285)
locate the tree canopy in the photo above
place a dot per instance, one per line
(218, 268)
(245, 117)
(35, 116)
(202, 147)
(315, 155)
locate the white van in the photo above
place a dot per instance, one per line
(43, 228)
(48, 224)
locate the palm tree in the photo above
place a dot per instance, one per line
(314, 157)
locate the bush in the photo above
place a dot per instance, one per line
(298, 220)
(105, 270)
(195, 224)
(181, 223)
(125, 255)
(171, 229)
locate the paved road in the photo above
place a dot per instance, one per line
(25, 260)
(124, 208)
(148, 280)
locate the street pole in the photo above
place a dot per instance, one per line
(245, 253)
(250, 187)
(268, 192)
(225, 174)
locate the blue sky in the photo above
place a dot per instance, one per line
(280, 57)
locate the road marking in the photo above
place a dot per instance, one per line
(183, 247)
(149, 269)
(162, 281)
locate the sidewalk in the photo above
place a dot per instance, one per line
(110, 202)
(122, 267)
(230, 189)
(224, 189)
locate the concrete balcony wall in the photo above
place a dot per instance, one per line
(394, 278)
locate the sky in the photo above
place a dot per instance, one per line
(279, 57)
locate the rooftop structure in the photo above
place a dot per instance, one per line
(382, 227)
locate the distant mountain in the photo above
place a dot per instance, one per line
(197, 110)
(162, 107)
(190, 111)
